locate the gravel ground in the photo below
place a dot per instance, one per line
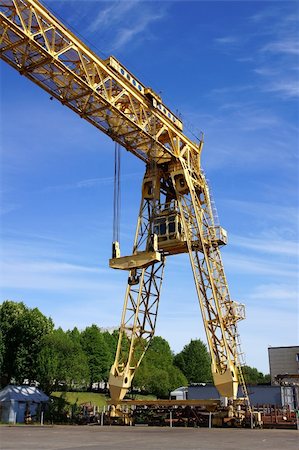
(131, 438)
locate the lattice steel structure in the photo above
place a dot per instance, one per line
(176, 213)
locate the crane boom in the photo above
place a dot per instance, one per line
(176, 213)
(41, 48)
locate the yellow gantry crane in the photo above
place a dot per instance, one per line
(176, 214)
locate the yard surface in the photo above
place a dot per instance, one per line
(130, 438)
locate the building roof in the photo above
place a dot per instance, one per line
(180, 389)
(286, 346)
(22, 394)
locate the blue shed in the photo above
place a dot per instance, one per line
(259, 395)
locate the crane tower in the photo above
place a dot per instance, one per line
(176, 213)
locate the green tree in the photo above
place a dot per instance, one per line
(159, 353)
(1, 353)
(75, 335)
(111, 343)
(156, 373)
(158, 382)
(22, 330)
(62, 362)
(195, 362)
(97, 353)
(253, 376)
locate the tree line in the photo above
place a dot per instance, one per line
(33, 350)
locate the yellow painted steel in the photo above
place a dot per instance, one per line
(176, 212)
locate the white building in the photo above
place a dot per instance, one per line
(181, 393)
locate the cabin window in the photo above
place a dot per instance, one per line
(171, 224)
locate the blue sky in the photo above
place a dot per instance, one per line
(231, 70)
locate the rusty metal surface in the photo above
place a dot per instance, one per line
(169, 402)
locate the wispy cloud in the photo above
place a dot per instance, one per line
(274, 48)
(6, 209)
(125, 35)
(273, 292)
(242, 133)
(90, 183)
(288, 46)
(227, 40)
(125, 20)
(277, 58)
(265, 244)
(287, 88)
(285, 215)
(251, 265)
(111, 15)
(47, 275)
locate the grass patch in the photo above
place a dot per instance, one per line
(83, 397)
(142, 397)
(93, 397)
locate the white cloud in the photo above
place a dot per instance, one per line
(288, 46)
(91, 182)
(266, 244)
(275, 292)
(250, 265)
(125, 20)
(227, 40)
(274, 46)
(266, 71)
(125, 35)
(48, 275)
(270, 212)
(111, 14)
(285, 87)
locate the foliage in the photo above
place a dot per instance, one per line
(157, 374)
(30, 349)
(61, 362)
(111, 342)
(253, 376)
(22, 329)
(57, 410)
(1, 351)
(194, 361)
(97, 352)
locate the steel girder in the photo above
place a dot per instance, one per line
(36, 44)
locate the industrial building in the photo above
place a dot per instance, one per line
(279, 396)
(283, 361)
(283, 392)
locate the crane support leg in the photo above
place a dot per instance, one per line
(218, 310)
(137, 328)
(140, 305)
